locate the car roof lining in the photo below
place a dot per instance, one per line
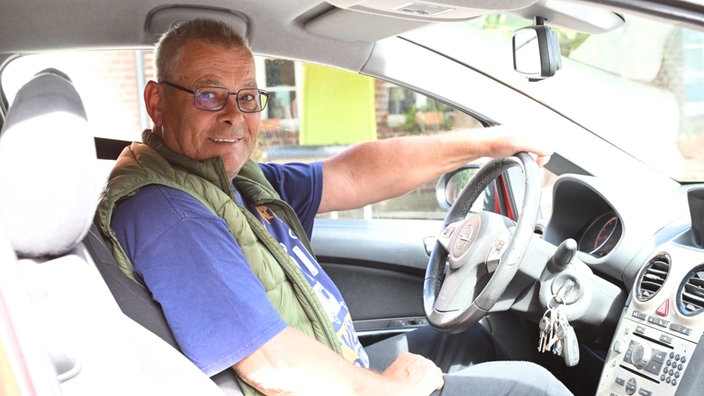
(275, 31)
(266, 32)
(373, 20)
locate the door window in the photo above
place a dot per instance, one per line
(314, 111)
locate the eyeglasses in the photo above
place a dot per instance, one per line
(249, 100)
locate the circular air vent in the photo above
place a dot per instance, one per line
(652, 277)
(690, 297)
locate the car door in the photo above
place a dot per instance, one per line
(379, 267)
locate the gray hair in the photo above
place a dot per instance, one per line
(206, 31)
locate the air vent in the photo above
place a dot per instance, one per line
(652, 277)
(690, 298)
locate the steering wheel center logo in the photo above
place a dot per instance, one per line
(464, 239)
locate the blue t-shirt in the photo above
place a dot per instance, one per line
(215, 306)
(328, 294)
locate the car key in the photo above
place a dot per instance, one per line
(559, 334)
(544, 329)
(570, 346)
(551, 334)
(558, 330)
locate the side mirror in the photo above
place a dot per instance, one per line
(499, 197)
(450, 184)
(536, 52)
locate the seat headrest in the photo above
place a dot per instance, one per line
(48, 189)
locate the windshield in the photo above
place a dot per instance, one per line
(640, 87)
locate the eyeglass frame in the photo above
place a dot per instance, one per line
(236, 94)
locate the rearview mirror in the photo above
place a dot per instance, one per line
(536, 52)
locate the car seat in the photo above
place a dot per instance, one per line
(69, 336)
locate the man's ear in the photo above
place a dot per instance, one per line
(152, 100)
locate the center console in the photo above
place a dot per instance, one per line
(655, 341)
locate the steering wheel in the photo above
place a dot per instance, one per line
(478, 254)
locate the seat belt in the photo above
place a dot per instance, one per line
(134, 300)
(137, 303)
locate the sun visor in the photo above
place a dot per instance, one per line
(579, 17)
(432, 11)
(371, 20)
(161, 19)
(359, 26)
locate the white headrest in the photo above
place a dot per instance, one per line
(48, 193)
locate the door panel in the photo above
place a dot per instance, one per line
(379, 267)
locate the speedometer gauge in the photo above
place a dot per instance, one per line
(601, 235)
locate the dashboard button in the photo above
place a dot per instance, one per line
(664, 308)
(658, 321)
(639, 315)
(680, 329)
(641, 355)
(631, 386)
(653, 367)
(659, 356)
(619, 346)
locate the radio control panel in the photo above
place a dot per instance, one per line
(646, 358)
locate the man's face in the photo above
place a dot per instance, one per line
(200, 134)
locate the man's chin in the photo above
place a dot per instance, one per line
(233, 167)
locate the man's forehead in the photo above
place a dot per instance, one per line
(217, 65)
(237, 80)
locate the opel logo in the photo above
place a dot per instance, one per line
(465, 237)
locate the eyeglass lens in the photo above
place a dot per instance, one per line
(214, 98)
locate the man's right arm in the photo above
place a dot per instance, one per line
(292, 363)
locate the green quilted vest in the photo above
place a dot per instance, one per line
(288, 291)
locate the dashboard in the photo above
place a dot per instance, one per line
(617, 232)
(601, 235)
(653, 247)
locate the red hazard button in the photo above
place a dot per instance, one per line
(664, 308)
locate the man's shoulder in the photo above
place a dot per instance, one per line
(157, 211)
(298, 168)
(162, 201)
(282, 176)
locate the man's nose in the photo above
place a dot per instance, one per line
(231, 113)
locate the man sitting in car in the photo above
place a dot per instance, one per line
(222, 242)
